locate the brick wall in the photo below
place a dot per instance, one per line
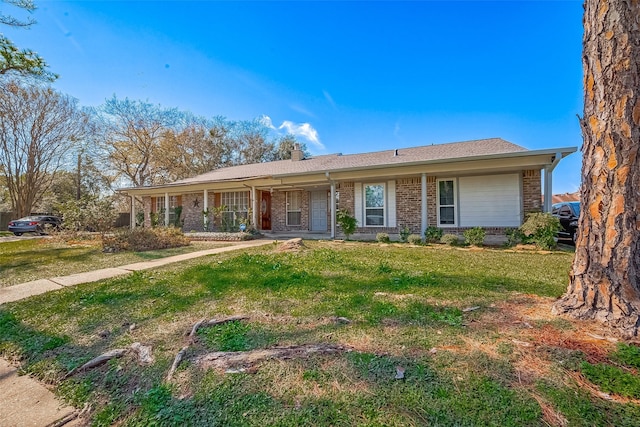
(146, 205)
(408, 203)
(345, 189)
(531, 191)
(432, 214)
(191, 214)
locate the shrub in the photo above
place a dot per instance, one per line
(449, 239)
(404, 234)
(475, 236)
(88, 214)
(144, 239)
(540, 229)
(433, 234)
(347, 222)
(514, 236)
(414, 239)
(383, 238)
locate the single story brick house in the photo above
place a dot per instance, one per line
(490, 183)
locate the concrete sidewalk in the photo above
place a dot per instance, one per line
(37, 287)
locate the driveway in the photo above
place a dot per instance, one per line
(13, 238)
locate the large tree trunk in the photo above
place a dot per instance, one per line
(605, 277)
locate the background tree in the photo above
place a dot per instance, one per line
(605, 277)
(38, 127)
(21, 62)
(131, 133)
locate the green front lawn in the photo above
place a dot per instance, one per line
(471, 329)
(25, 260)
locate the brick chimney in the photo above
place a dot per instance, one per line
(296, 153)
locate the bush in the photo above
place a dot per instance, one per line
(144, 239)
(404, 234)
(88, 214)
(540, 229)
(414, 239)
(346, 222)
(433, 234)
(383, 238)
(449, 239)
(514, 236)
(475, 236)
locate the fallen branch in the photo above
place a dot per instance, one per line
(176, 362)
(97, 361)
(226, 360)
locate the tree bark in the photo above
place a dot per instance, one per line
(605, 276)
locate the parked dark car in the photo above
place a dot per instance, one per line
(40, 224)
(568, 214)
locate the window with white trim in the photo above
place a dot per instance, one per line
(294, 208)
(236, 209)
(159, 204)
(446, 202)
(374, 205)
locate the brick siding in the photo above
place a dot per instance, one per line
(531, 191)
(408, 204)
(279, 212)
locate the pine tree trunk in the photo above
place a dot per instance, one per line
(605, 277)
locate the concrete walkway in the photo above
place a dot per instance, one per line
(37, 287)
(25, 401)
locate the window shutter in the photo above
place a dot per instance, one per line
(391, 201)
(357, 195)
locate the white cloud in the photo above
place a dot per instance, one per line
(266, 120)
(303, 130)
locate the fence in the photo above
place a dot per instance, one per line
(5, 217)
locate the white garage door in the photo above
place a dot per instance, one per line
(490, 201)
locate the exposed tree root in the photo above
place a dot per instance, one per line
(226, 360)
(176, 362)
(97, 361)
(213, 322)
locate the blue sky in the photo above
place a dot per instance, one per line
(344, 76)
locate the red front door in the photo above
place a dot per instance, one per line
(265, 210)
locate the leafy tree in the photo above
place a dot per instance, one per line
(605, 277)
(38, 127)
(21, 62)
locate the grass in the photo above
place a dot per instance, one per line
(25, 260)
(406, 309)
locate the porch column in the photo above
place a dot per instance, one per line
(254, 208)
(166, 209)
(333, 209)
(423, 205)
(205, 200)
(132, 220)
(548, 182)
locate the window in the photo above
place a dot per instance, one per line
(374, 205)
(236, 209)
(294, 208)
(159, 204)
(446, 202)
(174, 202)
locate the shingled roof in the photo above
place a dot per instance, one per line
(336, 162)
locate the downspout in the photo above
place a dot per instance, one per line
(548, 182)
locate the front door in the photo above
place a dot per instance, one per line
(319, 211)
(265, 210)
